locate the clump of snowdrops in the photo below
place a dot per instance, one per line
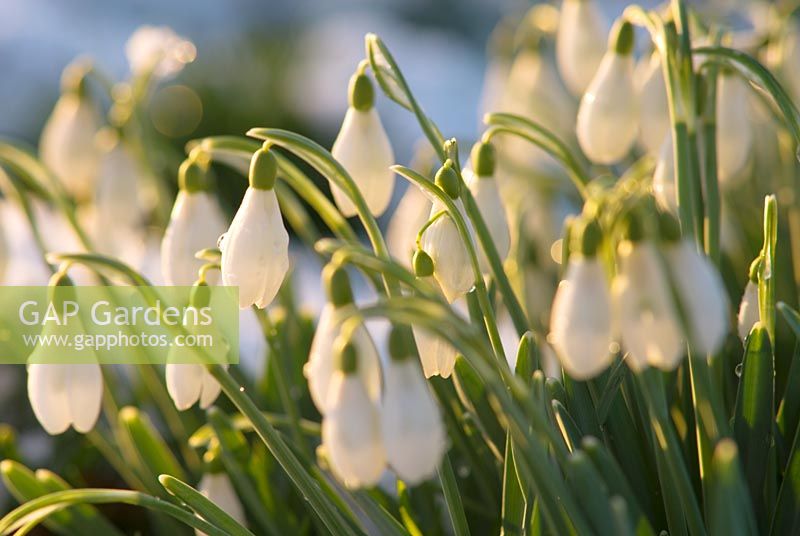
(634, 398)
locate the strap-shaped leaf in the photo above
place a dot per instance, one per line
(202, 506)
(729, 511)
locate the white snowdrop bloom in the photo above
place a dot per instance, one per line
(438, 357)
(159, 51)
(483, 186)
(351, 427)
(187, 383)
(217, 488)
(580, 43)
(702, 295)
(363, 149)
(255, 250)
(67, 145)
(749, 312)
(580, 319)
(654, 122)
(410, 215)
(196, 223)
(643, 309)
(664, 188)
(442, 241)
(413, 432)
(64, 395)
(734, 128)
(321, 365)
(116, 214)
(608, 116)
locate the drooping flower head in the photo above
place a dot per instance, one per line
(351, 427)
(580, 321)
(654, 123)
(255, 250)
(158, 51)
(363, 149)
(608, 117)
(413, 432)
(196, 222)
(483, 186)
(67, 144)
(579, 43)
(321, 365)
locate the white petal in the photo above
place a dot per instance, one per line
(734, 129)
(438, 357)
(487, 198)
(702, 294)
(410, 215)
(608, 117)
(351, 433)
(319, 370)
(184, 383)
(580, 43)
(664, 188)
(654, 122)
(580, 325)
(67, 144)
(196, 223)
(643, 309)
(84, 395)
(218, 489)
(256, 253)
(363, 149)
(47, 392)
(158, 50)
(210, 391)
(749, 312)
(413, 433)
(451, 262)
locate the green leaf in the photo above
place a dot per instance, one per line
(590, 491)
(202, 506)
(528, 358)
(753, 414)
(148, 443)
(514, 500)
(566, 424)
(452, 497)
(472, 393)
(729, 510)
(786, 518)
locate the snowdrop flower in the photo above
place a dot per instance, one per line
(749, 312)
(699, 288)
(643, 310)
(196, 223)
(217, 487)
(255, 250)
(158, 51)
(608, 116)
(188, 380)
(482, 184)
(580, 321)
(664, 188)
(67, 144)
(438, 357)
(413, 433)
(116, 213)
(734, 129)
(351, 428)
(654, 122)
(62, 394)
(580, 42)
(443, 243)
(321, 365)
(363, 149)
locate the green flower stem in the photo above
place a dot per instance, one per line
(711, 181)
(668, 447)
(37, 510)
(503, 123)
(463, 230)
(766, 271)
(452, 497)
(310, 490)
(276, 352)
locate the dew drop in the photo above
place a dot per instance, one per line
(738, 370)
(241, 389)
(221, 240)
(463, 471)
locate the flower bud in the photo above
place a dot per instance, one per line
(608, 117)
(361, 93)
(749, 312)
(580, 43)
(337, 285)
(483, 159)
(447, 179)
(193, 176)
